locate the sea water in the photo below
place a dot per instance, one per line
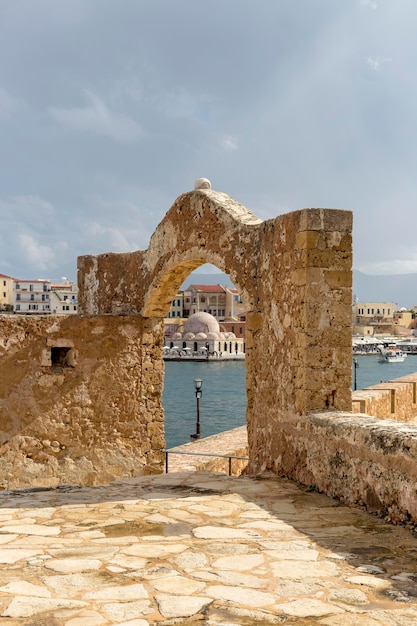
(222, 405)
(371, 371)
(223, 402)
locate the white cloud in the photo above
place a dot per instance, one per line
(377, 62)
(229, 144)
(98, 119)
(392, 266)
(111, 237)
(38, 256)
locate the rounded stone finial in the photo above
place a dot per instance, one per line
(202, 183)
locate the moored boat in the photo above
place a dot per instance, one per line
(392, 355)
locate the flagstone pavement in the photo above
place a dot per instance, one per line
(196, 548)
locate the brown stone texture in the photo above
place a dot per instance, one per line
(395, 399)
(105, 408)
(360, 460)
(87, 423)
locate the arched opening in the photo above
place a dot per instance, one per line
(295, 273)
(203, 315)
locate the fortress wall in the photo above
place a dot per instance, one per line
(395, 399)
(89, 419)
(98, 415)
(357, 459)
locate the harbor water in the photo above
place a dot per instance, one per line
(223, 403)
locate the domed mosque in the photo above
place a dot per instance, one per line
(202, 336)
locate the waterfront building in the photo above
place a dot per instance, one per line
(235, 307)
(205, 299)
(64, 298)
(32, 296)
(373, 318)
(177, 306)
(6, 292)
(201, 334)
(405, 322)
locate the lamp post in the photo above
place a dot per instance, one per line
(355, 367)
(198, 383)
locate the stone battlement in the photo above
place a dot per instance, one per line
(394, 399)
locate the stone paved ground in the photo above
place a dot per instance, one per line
(197, 548)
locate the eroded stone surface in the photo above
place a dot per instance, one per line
(100, 416)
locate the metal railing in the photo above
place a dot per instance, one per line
(219, 456)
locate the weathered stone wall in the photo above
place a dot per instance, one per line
(293, 271)
(358, 459)
(91, 421)
(101, 415)
(394, 399)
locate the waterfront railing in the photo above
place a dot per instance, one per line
(219, 456)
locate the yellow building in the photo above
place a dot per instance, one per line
(6, 292)
(373, 318)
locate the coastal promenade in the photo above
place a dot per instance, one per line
(198, 547)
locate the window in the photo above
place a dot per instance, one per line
(30, 287)
(240, 330)
(60, 357)
(75, 308)
(17, 286)
(17, 307)
(4, 294)
(32, 296)
(178, 302)
(4, 283)
(45, 287)
(203, 298)
(18, 296)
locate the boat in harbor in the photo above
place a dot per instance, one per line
(392, 355)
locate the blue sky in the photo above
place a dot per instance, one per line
(110, 109)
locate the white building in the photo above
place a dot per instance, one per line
(201, 335)
(64, 298)
(32, 296)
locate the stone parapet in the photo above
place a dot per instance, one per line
(357, 459)
(395, 399)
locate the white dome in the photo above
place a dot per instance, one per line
(177, 336)
(201, 323)
(189, 336)
(201, 336)
(212, 335)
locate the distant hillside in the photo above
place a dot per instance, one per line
(398, 288)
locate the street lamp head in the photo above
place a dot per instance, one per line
(198, 384)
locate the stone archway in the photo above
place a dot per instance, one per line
(294, 271)
(98, 415)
